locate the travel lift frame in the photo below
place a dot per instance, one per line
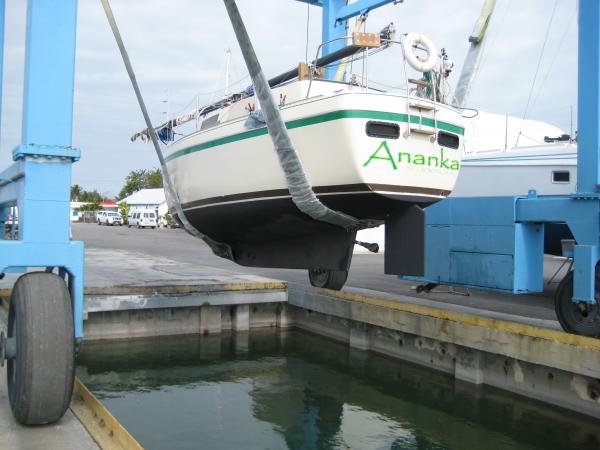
(45, 319)
(497, 243)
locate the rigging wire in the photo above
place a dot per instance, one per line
(197, 96)
(222, 69)
(170, 191)
(307, 29)
(537, 69)
(568, 27)
(200, 94)
(388, 86)
(357, 58)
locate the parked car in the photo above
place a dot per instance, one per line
(142, 218)
(109, 218)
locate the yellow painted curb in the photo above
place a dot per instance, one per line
(99, 422)
(485, 322)
(182, 288)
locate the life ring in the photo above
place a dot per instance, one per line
(415, 62)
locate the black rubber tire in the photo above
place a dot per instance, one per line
(40, 377)
(571, 318)
(328, 279)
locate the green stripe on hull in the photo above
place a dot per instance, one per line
(321, 118)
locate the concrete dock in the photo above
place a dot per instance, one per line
(129, 271)
(173, 254)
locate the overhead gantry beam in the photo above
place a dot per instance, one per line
(335, 21)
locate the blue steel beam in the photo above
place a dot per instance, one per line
(48, 112)
(49, 72)
(40, 178)
(333, 29)
(360, 7)
(588, 97)
(1, 57)
(335, 21)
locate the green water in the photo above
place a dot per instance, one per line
(278, 390)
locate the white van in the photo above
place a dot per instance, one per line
(108, 218)
(142, 218)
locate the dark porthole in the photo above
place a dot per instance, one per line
(384, 130)
(561, 176)
(448, 140)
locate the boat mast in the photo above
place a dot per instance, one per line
(227, 74)
(473, 59)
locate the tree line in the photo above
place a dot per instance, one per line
(136, 180)
(141, 179)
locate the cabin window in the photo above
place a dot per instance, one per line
(384, 130)
(448, 140)
(209, 122)
(561, 176)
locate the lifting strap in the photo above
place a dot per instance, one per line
(218, 248)
(299, 187)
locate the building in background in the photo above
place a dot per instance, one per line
(148, 199)
(89, 216)
(109, 206)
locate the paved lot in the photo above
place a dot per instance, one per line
(366, 272)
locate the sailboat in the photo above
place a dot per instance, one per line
(367, 154)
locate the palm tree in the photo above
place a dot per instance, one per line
(76, 192)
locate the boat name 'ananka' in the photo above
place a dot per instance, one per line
(440, 162)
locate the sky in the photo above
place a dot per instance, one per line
(177, 48)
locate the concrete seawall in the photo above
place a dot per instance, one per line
(550, 366)
(540, 363)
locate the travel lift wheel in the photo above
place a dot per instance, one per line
(328, 279)
(577, 317)
(40, 349)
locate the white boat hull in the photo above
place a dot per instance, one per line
(233, 189)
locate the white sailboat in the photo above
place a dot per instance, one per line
(356, 146)
(366, 153)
